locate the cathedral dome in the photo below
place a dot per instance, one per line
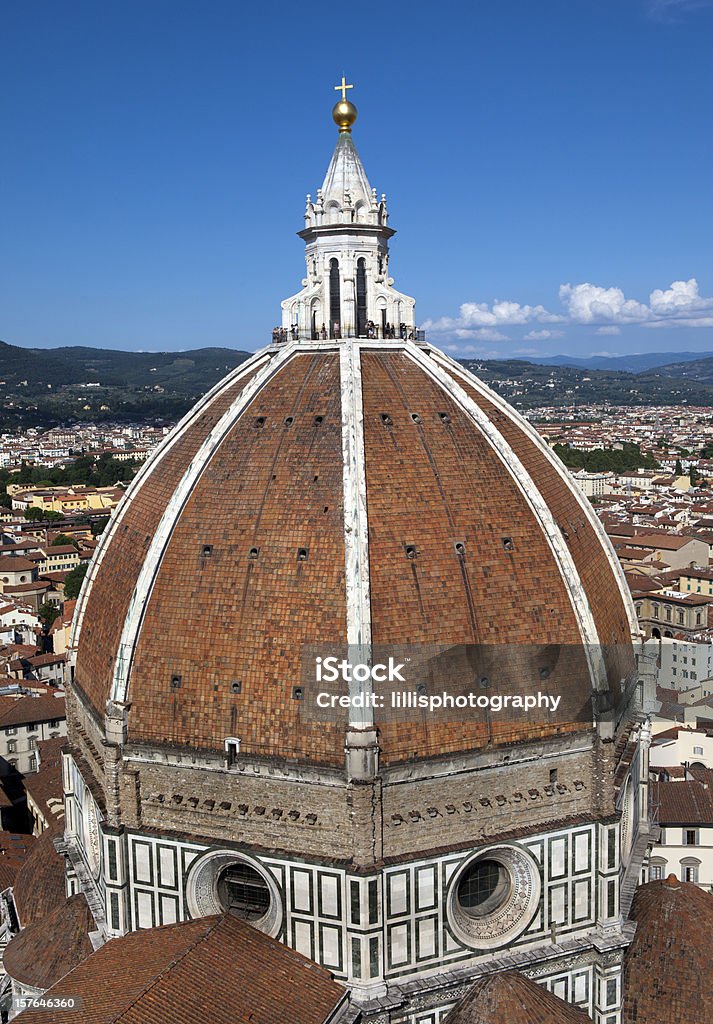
(335, 492)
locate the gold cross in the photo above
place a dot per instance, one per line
(344, 88)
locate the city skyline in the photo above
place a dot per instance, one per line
(546, 174)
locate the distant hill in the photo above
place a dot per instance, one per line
(46, 387)
(183, 372)
(528, 385)
(699, 368)
(636, 363)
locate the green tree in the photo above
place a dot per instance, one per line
(63, 539)
(34, 514)
(73, 581)
(48, 613)
(693, 473)
(678, 469)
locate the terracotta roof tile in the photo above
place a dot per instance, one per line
(40, 887)
(683, 803)
(667, 977)
(215, 969)
(19, 710)
(46, 950)
(511, 998)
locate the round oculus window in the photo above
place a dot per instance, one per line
(493, 897)
(222, 881)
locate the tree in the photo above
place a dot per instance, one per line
(693, 474)
(40, 515)
(62, 539)
(48, 613)
(73, 581)
(678, 469)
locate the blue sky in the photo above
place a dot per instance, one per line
(548, 167)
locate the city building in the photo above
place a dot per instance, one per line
(25, 721)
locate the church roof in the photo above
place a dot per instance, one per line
(332, 494)
(39, 887)
(215, 969)
(48, 949)
(667, 976)
(346, 174)
(511, 998)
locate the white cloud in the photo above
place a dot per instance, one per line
(478, 315)
(542, 335)
(590, 304)
(606, 308)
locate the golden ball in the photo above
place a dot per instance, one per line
(344, 114)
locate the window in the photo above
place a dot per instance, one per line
(31, 727)
(114, 911)
(12, 746)
(611, 991)
(698, 750)
(657, 868)
(668, 615)
(54, 723)
(611, 848)
(11, 732)
(32, 743)
(484, 888)
(690, 872)
(112, 866)
(243, 892)
(655, 611)
(690, 837)
(611, 899)
(32, 763)
(680, 617)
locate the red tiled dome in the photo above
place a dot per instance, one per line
(511, 998)
(236, 544)
(667, 976)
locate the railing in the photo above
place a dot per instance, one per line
(281, 335)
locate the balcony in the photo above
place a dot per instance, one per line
(281, 335)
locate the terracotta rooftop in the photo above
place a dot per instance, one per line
(21, 710)
(46, 950)
(16, 563)
(683, 803)
(39, 887)
(667, 977)
(511, 998)
(215, 969)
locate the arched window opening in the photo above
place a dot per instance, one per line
(361, 297)
(335, 309)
